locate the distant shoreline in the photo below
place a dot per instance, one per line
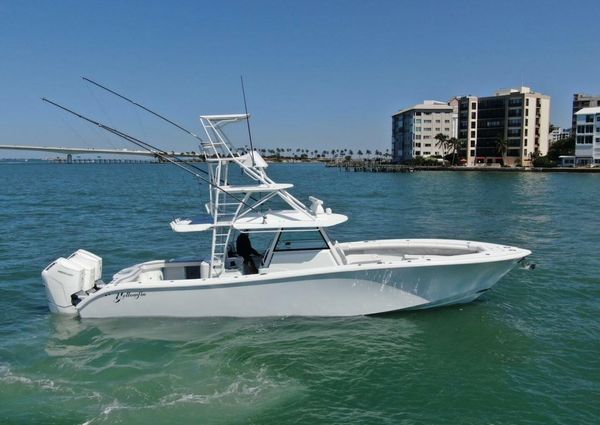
(356, 166)
(395, 168)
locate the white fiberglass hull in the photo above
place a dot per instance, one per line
(348, 291)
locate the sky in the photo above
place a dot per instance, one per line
(318, 74)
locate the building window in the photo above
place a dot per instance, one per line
(427, 145)
(418, 121)
(589, 118)
(584, 140)
(473, 124)
(472, 133)
(598, 117)
(427, 129)
(516, 101)
(438, 121)
(448, 121)
(417, 145)
(446, 129)
(472, 152)
(426, 153)
(472, 143)
(597, 139)
(417, 153)
(417, 128)
(418, 114)
(526, 102)
(473, 115)
(439, 129)
(525, 150)
(417, 136)
(473, 105)
(427, 121)
(585, 129)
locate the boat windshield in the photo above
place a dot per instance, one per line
(301, 241)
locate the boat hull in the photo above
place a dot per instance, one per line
(349, 291)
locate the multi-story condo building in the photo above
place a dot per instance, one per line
(414, 130)
(518, 119)
(580, 101)
(558, 134)
(587, 136)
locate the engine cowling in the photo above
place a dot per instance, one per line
(65, 278)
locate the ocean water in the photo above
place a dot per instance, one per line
(527, 352)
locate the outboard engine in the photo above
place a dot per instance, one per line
(67, 278)
(91, 263)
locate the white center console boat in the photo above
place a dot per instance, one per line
(301, 271)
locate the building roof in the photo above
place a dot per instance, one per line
(508, 92)
(586, 111)
(521, 90)
(427, 105)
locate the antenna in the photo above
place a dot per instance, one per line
(247, 121)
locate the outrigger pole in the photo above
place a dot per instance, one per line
(185, 130)
(247, 121)
(147, 146)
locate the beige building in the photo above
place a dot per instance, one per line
(506, 128)
(414, 130)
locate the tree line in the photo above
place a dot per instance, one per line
(316, 154)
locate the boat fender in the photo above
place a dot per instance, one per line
(204, 270)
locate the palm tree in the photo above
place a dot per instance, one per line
(502, 146)
(442, 142)
(454, 144)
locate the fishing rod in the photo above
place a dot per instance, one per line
(247, 121)
(185, 130)
(146, 146)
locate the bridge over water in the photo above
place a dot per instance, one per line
(70, 151)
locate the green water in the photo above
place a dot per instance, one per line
(527, 352)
